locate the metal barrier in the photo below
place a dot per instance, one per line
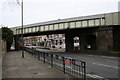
(70, 66)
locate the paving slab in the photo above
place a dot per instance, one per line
(14, 66)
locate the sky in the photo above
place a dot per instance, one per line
(46, 10)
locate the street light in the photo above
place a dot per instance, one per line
(22, 27)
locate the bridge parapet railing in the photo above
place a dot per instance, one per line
(73, 67)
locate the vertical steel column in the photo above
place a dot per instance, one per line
(51, 60)
(63, 65)
(44, 56)
(84, 71)
(22, 28)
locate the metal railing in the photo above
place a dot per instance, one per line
(73, 67)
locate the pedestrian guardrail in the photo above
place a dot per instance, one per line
(70, 66)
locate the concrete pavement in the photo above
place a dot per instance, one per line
(14, 66)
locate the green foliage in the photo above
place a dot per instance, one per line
(7, 35)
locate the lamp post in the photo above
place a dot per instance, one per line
(22, 28)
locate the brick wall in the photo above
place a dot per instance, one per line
(4, 48)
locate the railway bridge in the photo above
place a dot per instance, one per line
(100, 32)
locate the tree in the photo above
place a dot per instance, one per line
(7, 35)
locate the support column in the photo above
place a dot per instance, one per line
(105, 39)
(82, 42)
(69, 42)
(116, 38)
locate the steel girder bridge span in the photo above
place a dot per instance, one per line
(100, 32)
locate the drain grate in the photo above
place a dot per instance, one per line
(35, 73)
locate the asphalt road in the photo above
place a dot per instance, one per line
(98, 67)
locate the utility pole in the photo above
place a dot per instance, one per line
(22, 28)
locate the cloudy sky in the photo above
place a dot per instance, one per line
(47, 10)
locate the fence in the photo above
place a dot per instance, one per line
(72, 67)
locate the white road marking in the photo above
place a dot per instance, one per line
(112, 62)
(104, 56)
(106, 65)
(92, 75)
(108, 57)
(96, 76)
